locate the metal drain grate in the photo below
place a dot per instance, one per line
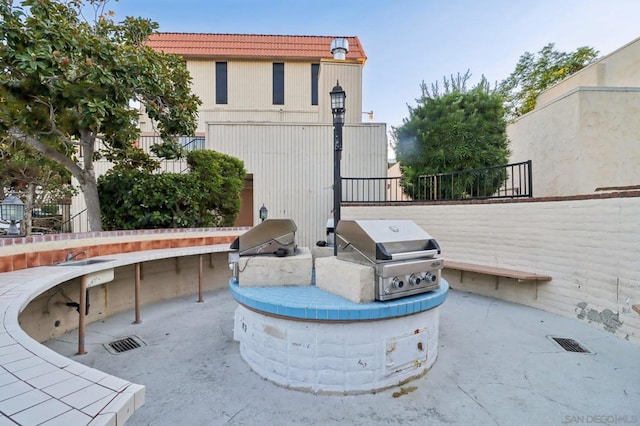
(570, 345)
(124, 344)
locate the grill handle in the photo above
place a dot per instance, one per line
(431, 249)
(413, 254)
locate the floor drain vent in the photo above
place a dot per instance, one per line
(570, 345)
(124, 345)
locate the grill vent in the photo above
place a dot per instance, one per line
(570, 345)
(124, 345)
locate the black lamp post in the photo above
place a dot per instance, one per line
(12, 211)
(263, 212)
(338, 97)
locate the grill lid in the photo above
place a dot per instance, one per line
(385, 240)
(271, 236)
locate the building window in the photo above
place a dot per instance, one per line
(278, 83)
(221, 82)
(315, 70)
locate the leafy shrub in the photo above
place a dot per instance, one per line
(447, 132)
(207, 196)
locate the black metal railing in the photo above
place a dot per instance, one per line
(59, 219)
(79, 222)
(52, 219)
(188, 143)
(506, 181)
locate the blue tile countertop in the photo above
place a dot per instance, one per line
(313, 303)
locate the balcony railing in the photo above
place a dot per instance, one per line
(189, 143)
(507, 181)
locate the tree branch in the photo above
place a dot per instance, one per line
(46, 150)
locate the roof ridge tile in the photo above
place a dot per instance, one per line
(251, 45)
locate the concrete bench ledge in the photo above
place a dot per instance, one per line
(521, 276)
(40, 386)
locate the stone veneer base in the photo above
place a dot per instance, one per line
(338, 358)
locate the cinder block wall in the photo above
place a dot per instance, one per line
(589, 245)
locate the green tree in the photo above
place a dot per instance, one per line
(535, 73)
(452, 130)
(209, 195)
(67, 85)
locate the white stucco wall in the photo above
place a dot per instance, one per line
(250, 92)
(617, 69)
(584, 140)
(590, 247)
(584, 133)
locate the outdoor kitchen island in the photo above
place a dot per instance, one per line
(364, 320)
(305, 338)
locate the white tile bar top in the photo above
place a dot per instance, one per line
(38, 385)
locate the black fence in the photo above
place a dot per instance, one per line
(78, 222)
(45, 219)
(188, 143)
(507, 181)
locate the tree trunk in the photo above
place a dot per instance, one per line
(85, 175)
(90, 190)
(88, 142)
(89, 187)
(28, 208)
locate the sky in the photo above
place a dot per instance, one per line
(411, 41)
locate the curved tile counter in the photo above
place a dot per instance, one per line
(313, 303)
(38, 385)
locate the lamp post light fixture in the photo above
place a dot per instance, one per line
(12, 211)
(338, 97)
(263, 213)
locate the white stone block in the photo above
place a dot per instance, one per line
(320, 252)
(270, 270)
(352, 281)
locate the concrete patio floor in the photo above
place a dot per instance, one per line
(496, 366)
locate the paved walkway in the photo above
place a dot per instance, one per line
(496, 366)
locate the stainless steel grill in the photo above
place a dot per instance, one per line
(402, 254)
(273, 236)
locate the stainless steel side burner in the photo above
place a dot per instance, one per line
(402, 254)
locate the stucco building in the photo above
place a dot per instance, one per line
(584, 134)
(265, 100)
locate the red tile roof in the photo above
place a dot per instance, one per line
(252, 46)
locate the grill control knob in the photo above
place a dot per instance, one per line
(428, 276)
(414, 279)
(397, 283)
